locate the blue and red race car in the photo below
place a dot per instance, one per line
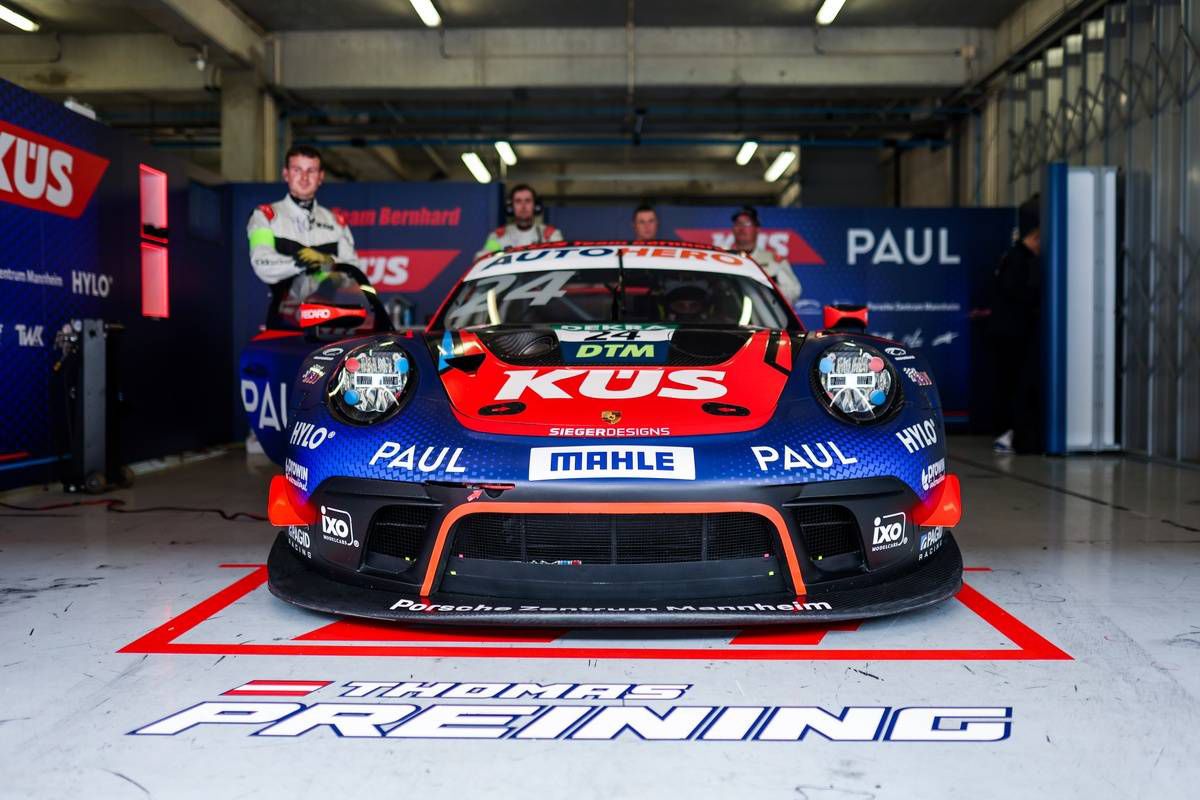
(601, 434)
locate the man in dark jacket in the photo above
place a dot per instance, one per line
(1016, 324)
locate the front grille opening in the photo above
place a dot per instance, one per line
(827, 531)
(399, 531)
(614, 538)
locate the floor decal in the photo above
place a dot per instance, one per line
(244, 619)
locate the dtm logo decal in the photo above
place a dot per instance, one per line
(819, 456)
(308, 435)
(614, 384)
(889, 531)
(45, 174)
(337, 526)
(561, 711)
(430, 459)
(92, 284)
(612, 461)
(918, 437)
(885, 249)
(271, 413)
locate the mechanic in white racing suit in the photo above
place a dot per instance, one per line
(293, 241)
(745, 241)
(524, 207)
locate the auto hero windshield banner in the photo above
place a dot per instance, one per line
(918, 271)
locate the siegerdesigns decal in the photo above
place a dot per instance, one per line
(611, 461)
(605, 433)
(613, 384)
(817, 456)
(918, 437)
(337, 526)
(373, 709)
(45, 174)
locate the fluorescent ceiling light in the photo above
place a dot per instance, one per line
(828, 13)
(430, 16)
(746, 152)
(478, 170)
(18, 20)
(507, 154)
(779, 166)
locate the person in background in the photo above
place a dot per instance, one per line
(645, 223)
(745, 241)
(293, 241)
(1015, 323)
(524, 208)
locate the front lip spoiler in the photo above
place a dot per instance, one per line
(937, 578)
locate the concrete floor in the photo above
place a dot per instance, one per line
(1070, 667)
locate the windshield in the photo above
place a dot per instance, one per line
(615, 295)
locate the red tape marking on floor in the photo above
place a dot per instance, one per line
(1030, 645)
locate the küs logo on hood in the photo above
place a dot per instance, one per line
(45, 174)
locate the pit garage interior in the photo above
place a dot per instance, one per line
(890, 148)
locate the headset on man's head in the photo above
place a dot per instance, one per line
(524, 187)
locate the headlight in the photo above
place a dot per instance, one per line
(370, 383)
(856, 382)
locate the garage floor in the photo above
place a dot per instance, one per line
(1069, 667)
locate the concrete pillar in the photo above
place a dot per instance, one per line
(248, 144)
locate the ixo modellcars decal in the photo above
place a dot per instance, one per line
(611, 461)
(566, 711)
(614, 342)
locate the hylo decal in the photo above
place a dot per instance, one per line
(308, 435)
(919, 436)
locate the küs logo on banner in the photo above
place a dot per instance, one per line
(45, 174)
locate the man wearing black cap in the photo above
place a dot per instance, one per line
(1016, 323)
(745, 241)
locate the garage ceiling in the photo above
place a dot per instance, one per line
(588, 140)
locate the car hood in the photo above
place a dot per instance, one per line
(603, 380)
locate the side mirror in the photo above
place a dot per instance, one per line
(845, 317)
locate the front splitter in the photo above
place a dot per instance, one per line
(936, 578)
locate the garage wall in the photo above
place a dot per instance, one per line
(84, 261)
(1123, 89)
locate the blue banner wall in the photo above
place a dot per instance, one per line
(919, 271)
(71, 226)
(416, 240)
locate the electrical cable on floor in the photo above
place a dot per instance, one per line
(114, 506)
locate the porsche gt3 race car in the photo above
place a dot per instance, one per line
(602, 434)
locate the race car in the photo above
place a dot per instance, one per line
(601, 433)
